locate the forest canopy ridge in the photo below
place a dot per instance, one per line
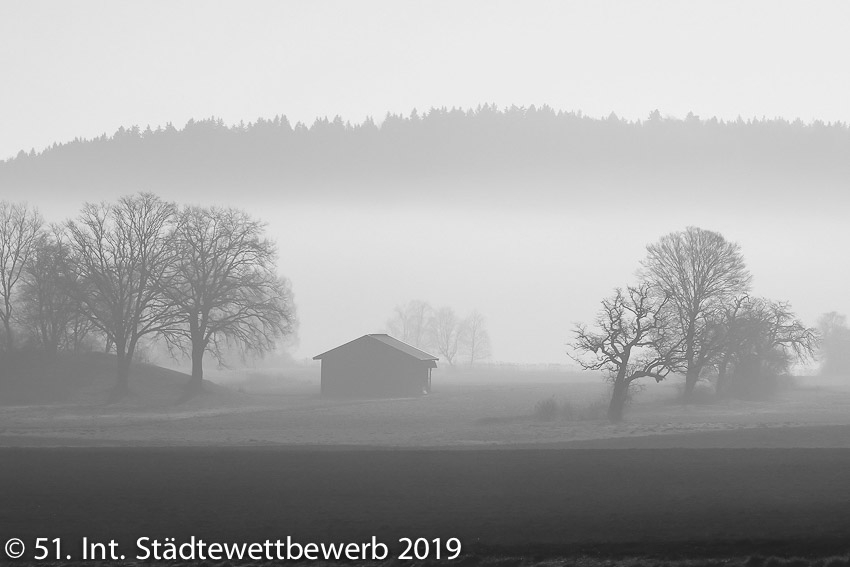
(446, 118)
(482, 155)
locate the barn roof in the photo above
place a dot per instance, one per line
(389, 341)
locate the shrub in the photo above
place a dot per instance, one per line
(590, 411)
(550, 410)
(546, 410)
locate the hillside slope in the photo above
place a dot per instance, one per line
(31, 378)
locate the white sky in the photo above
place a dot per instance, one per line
(73, 68)
(532, 274)
(80, 68)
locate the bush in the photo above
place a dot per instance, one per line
(546, 410)
(590, 411)
(550, 410)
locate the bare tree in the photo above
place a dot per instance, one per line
(630, 341)
(700, 272)
(225, 286)
(122, 257)
(475, 340)
(54, 317)
(764, 340)
(446, 329)
(784, 334)
(767, 341)
(20, 224)
(409, 323)
(398, 325)
(835, 344)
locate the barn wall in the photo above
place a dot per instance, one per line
(370, 369)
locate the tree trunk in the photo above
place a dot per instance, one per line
(692, 372)
(44, 335)
(721, 377)
(196, 382)
(618, 400)
(197, 334)
(10, 338)
(122, 375)
(691, 378)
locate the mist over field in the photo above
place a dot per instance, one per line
(527, 215)
(484, 283)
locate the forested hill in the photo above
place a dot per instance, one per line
(526, 154)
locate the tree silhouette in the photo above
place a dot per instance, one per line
(835, 344)
(19, 228)
(54, 317)
(630, 340)
(446, 330)
(701, 273)
(474, 338)
(121, 259)
(410, 323)
(224, 286)
(763, 341)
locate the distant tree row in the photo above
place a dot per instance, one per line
(454, 339)
(691, 313)
(465, 126)
(198, 277)
(485, 142)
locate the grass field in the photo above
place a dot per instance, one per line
(676, 502)
(709, 483)
(457, 415)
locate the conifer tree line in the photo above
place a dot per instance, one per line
(199, 278)
(692, 313)
(486, 142)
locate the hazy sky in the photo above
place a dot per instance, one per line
(81, 68)
(532, 274)
(73, 68)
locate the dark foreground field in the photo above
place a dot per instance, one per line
(672, 502)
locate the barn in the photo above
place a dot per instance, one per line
(376, 365)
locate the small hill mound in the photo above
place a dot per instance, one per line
(33, 378)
